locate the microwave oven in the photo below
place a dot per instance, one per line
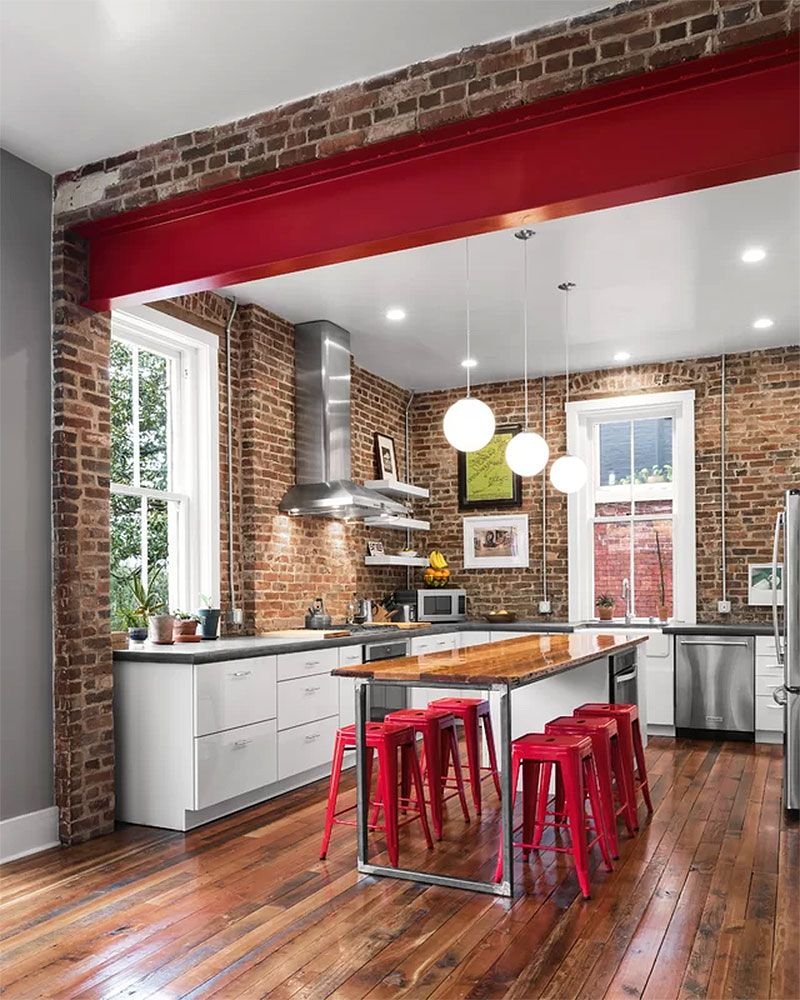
(441, 605)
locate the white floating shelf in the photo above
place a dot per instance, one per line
(420, 561)
(393, 488)
(398, 523)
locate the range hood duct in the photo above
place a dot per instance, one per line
(322, 431)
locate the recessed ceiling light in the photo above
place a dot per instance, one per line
(622, 356)
(763, 323)
(752, 255)
(468, 363)
(395, 314)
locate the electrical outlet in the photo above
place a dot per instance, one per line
(238, 616)
(724, 607)
(544, 607)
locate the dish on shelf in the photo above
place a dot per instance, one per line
(408, 552)
(497, 617)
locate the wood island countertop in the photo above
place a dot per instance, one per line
(512, 662)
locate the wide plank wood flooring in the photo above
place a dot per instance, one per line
(704, 902)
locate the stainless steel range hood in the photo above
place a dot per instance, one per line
(322, 430)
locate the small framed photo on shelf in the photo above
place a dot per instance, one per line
(760, 583)
(499, 542)
(374, 548)
(385, 457)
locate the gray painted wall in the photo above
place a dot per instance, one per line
(26, 702)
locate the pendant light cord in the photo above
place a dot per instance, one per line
(466, 269)
(525, 324)
(566, 287)
(544, 498)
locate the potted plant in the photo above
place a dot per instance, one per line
(184, 625)
(145, 610)
(209, 618)
(605, 607)
(663, 610)
(135, 623)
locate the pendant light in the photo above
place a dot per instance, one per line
(568, 473)
(468, 423)
(526, 452)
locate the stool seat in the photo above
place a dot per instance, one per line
(474, 713)
(376, 732)
(536, 754)
(414, 715)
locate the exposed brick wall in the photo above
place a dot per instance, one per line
(763, 458)
(622, 40)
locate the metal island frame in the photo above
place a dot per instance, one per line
(502, 667)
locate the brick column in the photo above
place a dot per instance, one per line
(82, 684)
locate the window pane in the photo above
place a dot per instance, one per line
(121, 375)
(616, 508)
(612, 553)
(158, 548)
(126, 553)
(615, 453)
(652, 450)
(153, 427)
(646, 564)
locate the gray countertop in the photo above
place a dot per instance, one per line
(218, 650)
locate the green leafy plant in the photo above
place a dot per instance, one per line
(205, 602)
(183, 616)
(146, 600)
(604, 601)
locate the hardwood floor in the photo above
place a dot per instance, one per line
(702, 903)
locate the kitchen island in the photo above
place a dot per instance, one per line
(504, 669)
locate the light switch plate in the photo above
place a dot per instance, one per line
(544, 607)
(724, 607)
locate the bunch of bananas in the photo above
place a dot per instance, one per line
(437, 574)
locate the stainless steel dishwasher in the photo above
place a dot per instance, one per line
(715, 686)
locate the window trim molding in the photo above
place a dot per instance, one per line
(580, 415)
(199, 411)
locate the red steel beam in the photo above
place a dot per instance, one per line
(714, 121)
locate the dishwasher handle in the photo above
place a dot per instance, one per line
(715, 642)
(622, 678)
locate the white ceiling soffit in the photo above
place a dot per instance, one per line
(660, 280)
(81, 80)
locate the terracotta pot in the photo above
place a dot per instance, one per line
(161, 629)
(605, 614)
(184, 627)
(663, 613)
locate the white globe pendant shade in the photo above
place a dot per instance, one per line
(469, 424)
(527, 453)
(568, 474)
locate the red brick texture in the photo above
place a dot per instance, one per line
(762, 460)
(624, 40)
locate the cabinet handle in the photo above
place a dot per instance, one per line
(311, 690)
(241, 744)
(714, 642)
(240, 673)
(312, 663)
(311, 737)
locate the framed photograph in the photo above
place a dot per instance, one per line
(385, 457)
(484, 479)
(760, 583)
(375, 548)
(499, 542)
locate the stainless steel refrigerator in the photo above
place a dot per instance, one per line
(787, 639)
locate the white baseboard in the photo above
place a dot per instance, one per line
(28, 834)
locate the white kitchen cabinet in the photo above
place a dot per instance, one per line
(308, 663)
(770, 717)
(422, 645)
(466, 639)
(234, 693)
(307, 699)
(234, 762)
(498, 636)
(657, 662)
(348, 656)
(306, 748)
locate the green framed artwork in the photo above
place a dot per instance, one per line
(484, 478)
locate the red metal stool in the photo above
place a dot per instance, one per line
(386, 739)
(605, 746)
(630, 748)
(439, 749)
(471, 712)
(575, 764)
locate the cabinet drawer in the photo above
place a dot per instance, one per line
(767, 665)
(765, 645)
(350, 656)
(312, 661)
(306, 699)
(766, 683)
(237, 761)
(467, 639)
(769, 716)
(306, 747)
(233, 693)
(433, 644)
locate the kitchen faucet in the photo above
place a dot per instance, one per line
(626, 597)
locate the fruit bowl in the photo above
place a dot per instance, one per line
(498, 617)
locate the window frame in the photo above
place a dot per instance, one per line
(193, 448)
(582, 416)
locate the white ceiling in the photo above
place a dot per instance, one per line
(661, 279)
(81, 80)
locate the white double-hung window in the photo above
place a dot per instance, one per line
(164, 461)
(634, 521)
